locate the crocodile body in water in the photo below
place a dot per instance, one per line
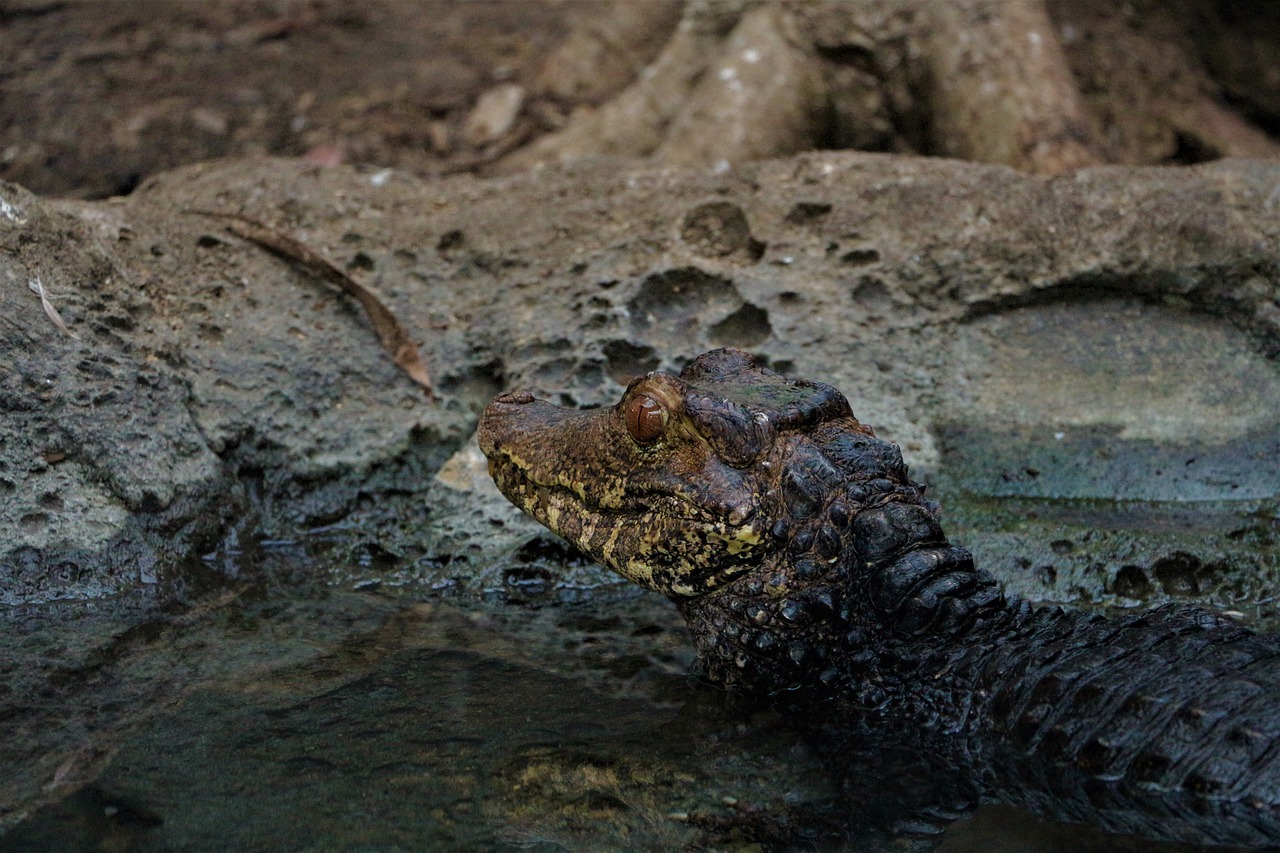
(812, 570)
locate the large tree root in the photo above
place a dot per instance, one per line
(978, 79)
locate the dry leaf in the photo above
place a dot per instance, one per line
(37, 288)
(395, 339)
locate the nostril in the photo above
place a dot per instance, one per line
(519, 397)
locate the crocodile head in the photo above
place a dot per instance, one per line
(678, 487)
(759, 503)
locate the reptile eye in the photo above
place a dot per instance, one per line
(646, 419)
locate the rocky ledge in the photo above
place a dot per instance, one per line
(173, 394)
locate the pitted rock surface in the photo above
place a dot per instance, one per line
(216, 390)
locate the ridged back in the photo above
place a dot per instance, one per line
(1165, 724)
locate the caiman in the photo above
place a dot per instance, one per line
(812, 570)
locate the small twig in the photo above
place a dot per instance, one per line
(395, 339)
(37, 287)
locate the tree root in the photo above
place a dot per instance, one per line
(983, 80)
(635, 122)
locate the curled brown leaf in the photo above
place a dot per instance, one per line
(391, 332)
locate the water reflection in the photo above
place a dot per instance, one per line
(356, 722)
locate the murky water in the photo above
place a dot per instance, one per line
(349, 721)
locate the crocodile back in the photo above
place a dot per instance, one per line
(1165, 724)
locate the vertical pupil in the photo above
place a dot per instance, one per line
(645, 419)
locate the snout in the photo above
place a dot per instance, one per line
(500, 418)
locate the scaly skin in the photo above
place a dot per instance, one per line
(812, 570)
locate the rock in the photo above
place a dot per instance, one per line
(105, 478)
(217, 389)
(493, 115)
(466, 470)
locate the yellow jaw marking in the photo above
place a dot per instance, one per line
(739, 540)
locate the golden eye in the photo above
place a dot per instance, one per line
(646, 419)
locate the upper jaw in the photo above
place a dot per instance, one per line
(516, 424)
(502, 418)
(530, 447)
